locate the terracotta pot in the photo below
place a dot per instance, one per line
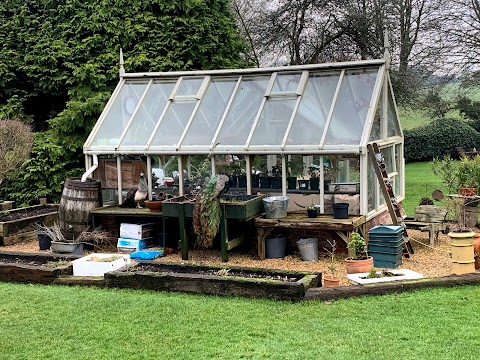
(154, 205)
(358, 266)
(331, 281)
(467, 191)
(476, 250)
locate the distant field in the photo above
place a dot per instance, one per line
(419, 182)
(411, 119)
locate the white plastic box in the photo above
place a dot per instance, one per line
(344, 187)
(86, 267)
(136, 231)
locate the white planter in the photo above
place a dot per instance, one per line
(407, 275)
(86, 267)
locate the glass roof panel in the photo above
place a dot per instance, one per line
(145, 119)
(351, 108)
(209, 114)
(313, 110)
(273, 122)
(189, 86)
(119, 114)
(393, 126)
(286, 83)
(173, 123)
(244, 109)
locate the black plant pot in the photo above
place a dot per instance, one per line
(303, 184)
(312, 213)
(292, 182)
(314, 183)
(276, 182)
(242, 181)
(265, 182)
(44, 241)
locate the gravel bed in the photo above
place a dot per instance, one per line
(427, 261)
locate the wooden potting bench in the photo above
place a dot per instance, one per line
(342, 227)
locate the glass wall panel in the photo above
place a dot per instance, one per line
(189, 87)
(309, 123)
(397, 164)
(351, 107)
(393, 126)
(375, 132)
(244, 109)
(210, 112)
(173, 123)
(120, 112)
(286, 83)
(148, 114)
(372, 189)
(273, 122)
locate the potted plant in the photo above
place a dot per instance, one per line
(359, 262)
(276, 179)
(314, 173)
(312, 211)
(461, 237)
(332, 279)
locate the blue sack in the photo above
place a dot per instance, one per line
(146, 255)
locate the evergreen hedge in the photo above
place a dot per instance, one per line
(440, 137)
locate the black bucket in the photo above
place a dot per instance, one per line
(340, 211)
(275, 247)
(44, 241)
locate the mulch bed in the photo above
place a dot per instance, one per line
(24, 214)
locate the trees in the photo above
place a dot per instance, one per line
(15, 144)
(59, 59)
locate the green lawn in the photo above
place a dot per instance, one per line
(420, 182)
(54, 322)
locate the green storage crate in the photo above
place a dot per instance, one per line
(385, 260)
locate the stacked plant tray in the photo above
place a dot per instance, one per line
(385, 245)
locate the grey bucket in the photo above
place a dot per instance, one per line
(275, 207)
(275, 247)
(308, 249)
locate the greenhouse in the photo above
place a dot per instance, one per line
(297, 126)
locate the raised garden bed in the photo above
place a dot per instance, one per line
(18, 225)
(240, 207)
(33, 268)
(215, 280)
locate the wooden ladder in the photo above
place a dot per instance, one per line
(386, 185)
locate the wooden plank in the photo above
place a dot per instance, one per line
(235, 242)
(80, 281)
(342, 292)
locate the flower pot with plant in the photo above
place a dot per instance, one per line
(332, 279)
(359, 262)
(314, 173)
(312, 211)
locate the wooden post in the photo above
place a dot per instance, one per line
(183, 232)
(223, 234)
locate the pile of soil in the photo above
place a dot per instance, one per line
(24, 214)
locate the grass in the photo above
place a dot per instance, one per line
(420, 182)
(53, 322)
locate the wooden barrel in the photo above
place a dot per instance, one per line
(78, 198)
(463, 261)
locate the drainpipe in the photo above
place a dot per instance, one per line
(92, 169)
